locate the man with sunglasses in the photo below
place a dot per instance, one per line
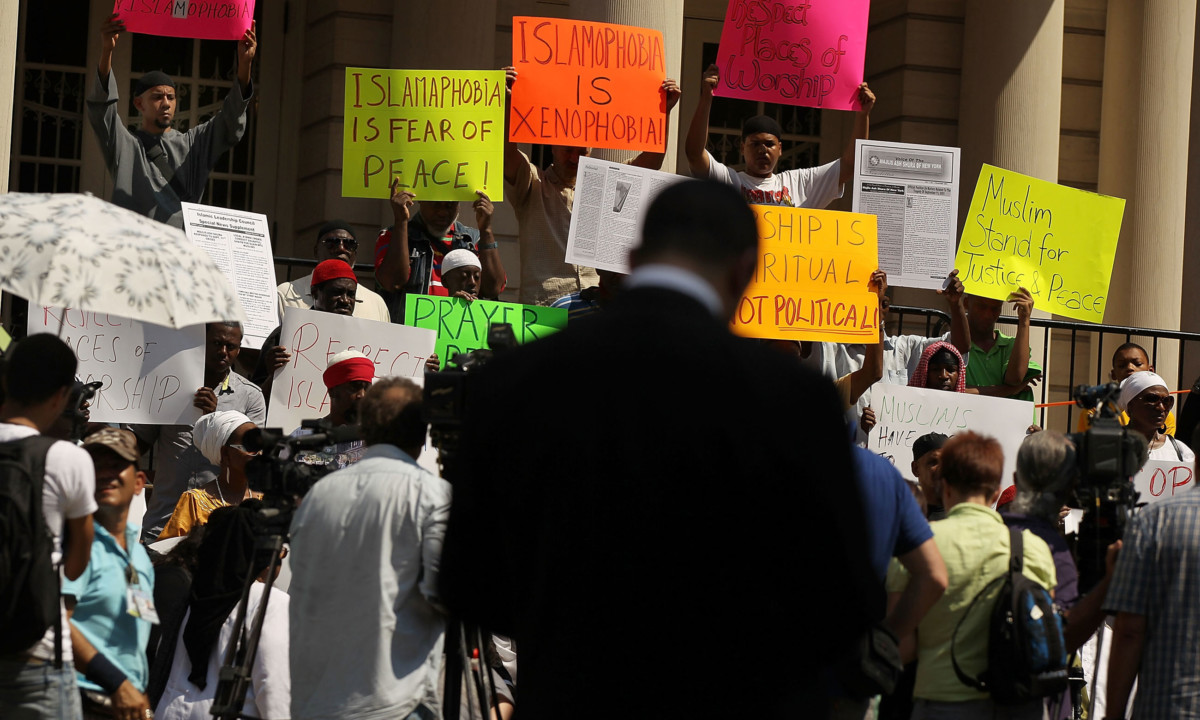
(335, 241)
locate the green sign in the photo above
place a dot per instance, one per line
(462, 326)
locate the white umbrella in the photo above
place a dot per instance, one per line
(77, 251)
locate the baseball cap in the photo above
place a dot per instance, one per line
(122, 442)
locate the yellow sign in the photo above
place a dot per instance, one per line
(441, 132)
(812, 278)
(1056, 242)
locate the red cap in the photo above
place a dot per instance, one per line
(349, 370)
(1009, 494)
(332, 270)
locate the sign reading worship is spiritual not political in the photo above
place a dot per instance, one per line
(200, 19)
(805, 52)
(439, 132)
(463, 326)
(149, 373)
(588, 84)
(812, 281)
(1057, 242)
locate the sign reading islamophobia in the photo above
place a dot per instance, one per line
(200, 19)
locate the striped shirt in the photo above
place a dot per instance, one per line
(1158, 576)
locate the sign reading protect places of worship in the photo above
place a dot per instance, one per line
(462, 326)
(200, 19)
(1162, 479)
(1057, 242)
(588, 84)
(439, 132)
(812, 281)
(809, 52)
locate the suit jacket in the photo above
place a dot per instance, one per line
(693, 545)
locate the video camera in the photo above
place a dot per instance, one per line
(272, 474)
(1107, 456)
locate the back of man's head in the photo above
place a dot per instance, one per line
(391, 414)
(705, 221)
(972, 464)
(37, 367)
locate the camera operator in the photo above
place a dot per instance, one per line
(347, 378)
(367, 631)
(1147, 400)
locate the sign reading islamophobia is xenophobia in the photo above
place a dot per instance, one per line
(200, 19)
(588, 84)
(808, 53)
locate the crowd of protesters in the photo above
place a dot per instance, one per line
(707, 537)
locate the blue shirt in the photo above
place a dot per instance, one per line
(894, 520)
(101, 614)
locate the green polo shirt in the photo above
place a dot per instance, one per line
(974, 543)
(986, 367)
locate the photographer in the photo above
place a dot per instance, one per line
(1147, 400)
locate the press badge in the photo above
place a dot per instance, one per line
(140, 604)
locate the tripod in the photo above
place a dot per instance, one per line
(466, 659)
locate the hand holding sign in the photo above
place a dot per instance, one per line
(206, 20)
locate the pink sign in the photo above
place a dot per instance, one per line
(200, 19)
(805, 52)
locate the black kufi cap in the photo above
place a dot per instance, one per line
(152, 79)
(336, 225)
(762, 124)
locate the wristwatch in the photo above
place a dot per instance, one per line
(489, 246)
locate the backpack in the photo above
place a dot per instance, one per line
(29, 590)
(1027, 657)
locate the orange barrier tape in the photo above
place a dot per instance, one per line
(1072, 402)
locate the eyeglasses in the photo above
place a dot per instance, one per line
(333, 242)
(1166, 401)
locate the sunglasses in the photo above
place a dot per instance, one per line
(349, 243)
(1166, 401)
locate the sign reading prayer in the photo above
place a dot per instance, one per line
(812, 279)
(440, 132)
(462, 326)
(1162, 479)
(803, 52)
(1056, 242)
(588, 84)
(904, 414)
(200, 19)
(149, 373)
(312, 337)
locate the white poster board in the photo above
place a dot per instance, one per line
(904, 414)
(312, 337)
(606, 218)
(150, 373)
(913, 190)
(240, 244)
(1162, 479)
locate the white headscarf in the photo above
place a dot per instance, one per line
(459, 258)
(1136, 383)
(212, 431)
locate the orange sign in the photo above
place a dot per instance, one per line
(812, 279)
(588, 84)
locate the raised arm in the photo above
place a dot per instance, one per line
(492, 277)
(697, 134)
(654, 160)
(862, 129)
(872, 369)
(392, 272)
(110, 32)
(512, 154)
(960, 332)
(1018, 363)
(247, 47)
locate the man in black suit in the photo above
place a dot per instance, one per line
(694, 544)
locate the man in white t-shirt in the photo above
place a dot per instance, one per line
(813, 187)
(38, 379)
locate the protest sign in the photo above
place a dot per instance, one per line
(150, 373)
(1057, 242)
(240, 245)
(610, 201)
(904, 414)
(200, 19)
(440, 132)
(1162, 479)
(913, 191)
(812, 278)
(588, 84)
(462, 326)
(800, 53)
(312, 337)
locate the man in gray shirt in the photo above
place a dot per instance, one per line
(156, 168)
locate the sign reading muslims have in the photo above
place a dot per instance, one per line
(588, 84)
(439, 132)
(200, 19)
(1057, 242)
(797, 53)
(812, 279)
(463, 326)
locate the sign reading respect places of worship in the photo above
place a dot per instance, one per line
(200, 19)
(1057, 242)
(812, 281)
(462, 326)
(588, 84)
(312, 337)
(439, 132)
(804, 52)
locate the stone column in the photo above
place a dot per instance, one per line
(666, 16)
(9, 20)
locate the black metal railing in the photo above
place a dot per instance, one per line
(294, 267)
